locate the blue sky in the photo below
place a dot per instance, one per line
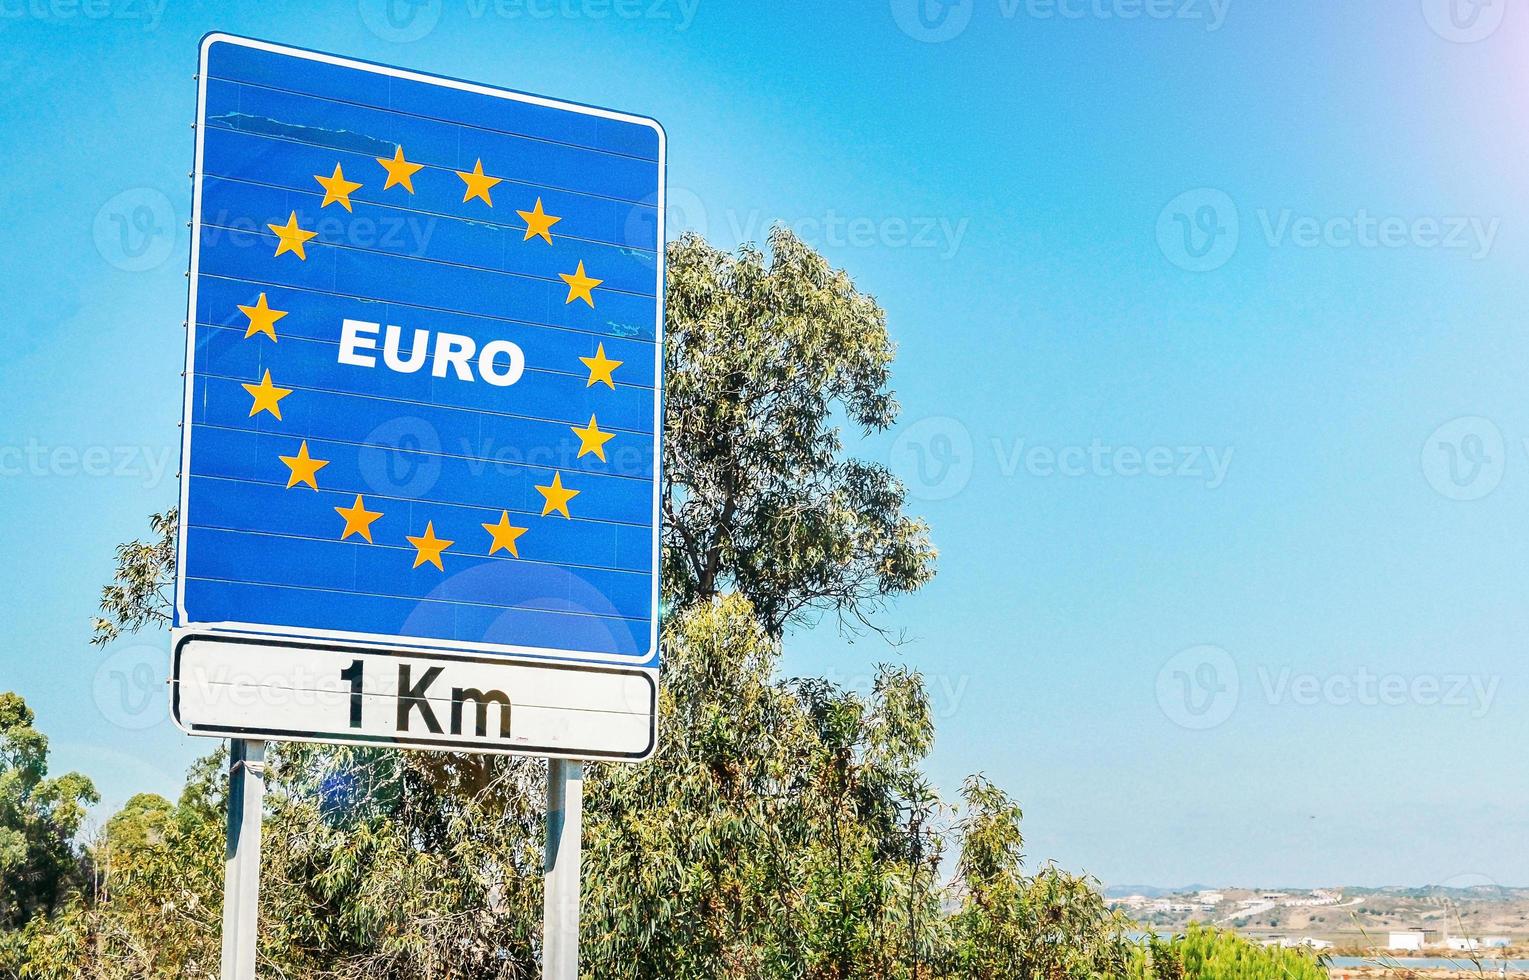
(1211, 358)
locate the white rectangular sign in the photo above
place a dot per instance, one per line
(249, 687)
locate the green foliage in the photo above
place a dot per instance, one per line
(758, 498)
(768, 837)
(1205, 953)
(39, 818)
(785, 828)
(1052, 925)
(155, 907)
(139, 594)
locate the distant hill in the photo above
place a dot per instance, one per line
(1150, 891)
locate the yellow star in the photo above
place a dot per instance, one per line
(337, 188)
(600, 368)
(262, 319)
(579, 286)
(358, 520)
(505, 534)
(591, 439)
(538, 222)
(292, 237)
(304, 467)
(400, 171)
(478, 184)
(429, 547)
(556, 497)
(267, 397)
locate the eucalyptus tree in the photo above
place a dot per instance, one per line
(785, 828)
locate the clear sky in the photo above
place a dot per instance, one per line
(1212, 351)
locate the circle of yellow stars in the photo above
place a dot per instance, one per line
(303, 468)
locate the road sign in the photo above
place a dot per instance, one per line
(419, 497)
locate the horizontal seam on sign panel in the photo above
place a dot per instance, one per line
(507, 97)
(419, 404)
(419, 500)
(437, 309)
(429, 358)
(266, 236)
(434, 699)
(475, 651)
(433, 214)
(415, 598)
(214, 122)
(572, 473)
(409, 548)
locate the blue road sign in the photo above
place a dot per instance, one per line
(423, 364)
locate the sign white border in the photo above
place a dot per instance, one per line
(182, 639)
(404, 642)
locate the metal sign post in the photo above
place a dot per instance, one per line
(241, 877)
(565, 838)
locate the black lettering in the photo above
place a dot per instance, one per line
(411, 696)
(481, 700)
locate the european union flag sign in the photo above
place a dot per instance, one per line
(419, 497)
